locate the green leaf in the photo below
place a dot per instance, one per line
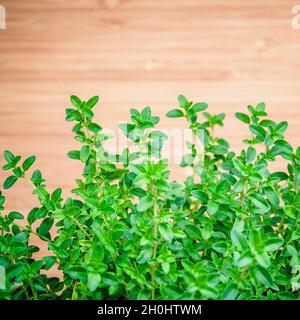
(239, 240)
(293, 252)
(76, 102)
(193, 231)
(9, 157)
(144, 204)
(109, 279)
(220, 246)
(200, 195)
(273, 244)
(187, 160)
(250, 155)
(84, 153)
(2, 278)
(278, 176)
(200, 106)
(175, 113)
(76, 272)
(37, 177)
(92, 102)
(283, 147)
(74, 154)
(166, 267)
(72, 115)
(45, 227)
(49, 261)
(261, 204)
(245, 259)
(93, 281)
(243, 117)
(146, 113)
(144, 256)
(182, 101)
(207, 231)
(230, 292)
(281, 127)
(56, 195)
(212, 207)
(165, 231)
(9, 182)
(94, 127)
(258, 131)
(28, 163)
(15, 215)
(262, 276)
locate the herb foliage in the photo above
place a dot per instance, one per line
(230, 231)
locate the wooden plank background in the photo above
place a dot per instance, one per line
(229, 53)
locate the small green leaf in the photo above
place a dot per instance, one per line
(9, 182)
(243, 117)
(92, 102)
(278, 176)
(230, 292)
(250, 155)
(76, 102)
(207, 231)
(56, 195)
(175, 113)
(182, 101)
(93, 281)
(200, 106)
(273, 244)
(261, 204)
(239, 240)
(200, 195)
(15, 215)
(84, 153)
(9, 157)
(193, 231)
(144, 256)
(144, 204)
(165, 231)
(283, 147)
(262, 276)
(72, 115)
(45, 227)
(28, 163)
(258, 131)
(49, 261)
(187, 160)
(94, 127)
(76, 272)
(74, 154)
(212, 207)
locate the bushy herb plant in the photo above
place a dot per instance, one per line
(230, 231)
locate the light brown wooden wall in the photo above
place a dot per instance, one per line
(136, 53)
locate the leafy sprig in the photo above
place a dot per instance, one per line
(230, 231)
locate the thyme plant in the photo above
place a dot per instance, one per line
(230, 231)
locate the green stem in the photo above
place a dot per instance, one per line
(26, 292)
(81, 228)
(74, 290)
(33, 290)
(155, 244)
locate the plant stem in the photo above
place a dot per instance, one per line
(81, 228)
(74, 290)
(26, 293)
(33, 290)
(155, 245)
